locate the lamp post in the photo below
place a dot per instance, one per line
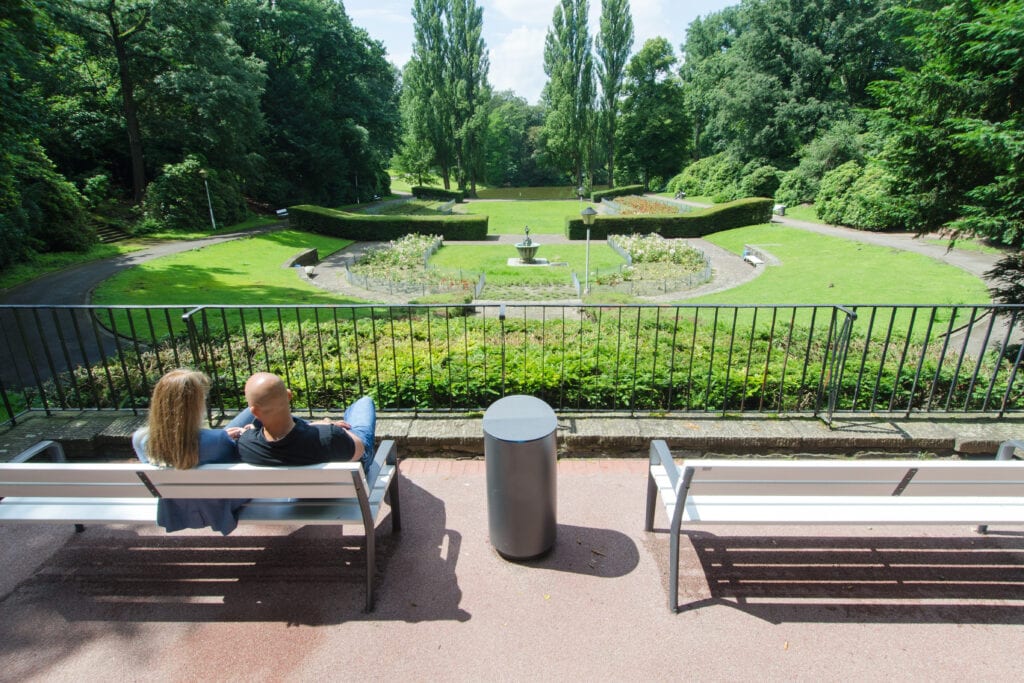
(580, 191)
(588, 220)
(209, 202)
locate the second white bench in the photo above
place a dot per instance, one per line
(867, 492)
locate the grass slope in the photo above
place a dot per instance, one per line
(249, 270)
(510, 217)
(818, 269)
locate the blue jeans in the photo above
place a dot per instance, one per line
(362, 415)
(243, 418)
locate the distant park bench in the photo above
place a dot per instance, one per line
(866, 492)
(751, 257)
(335, 493)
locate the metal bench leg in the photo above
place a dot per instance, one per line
(673, 572)
(652, 499)
(396, 504)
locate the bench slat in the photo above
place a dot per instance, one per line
(851, 510)
(73, 510)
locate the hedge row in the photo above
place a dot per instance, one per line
(420, 192)
(737, 214)
(365, 228)
(616, 192)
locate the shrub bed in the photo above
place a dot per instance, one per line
(421, 192)
(737, 214)
(616, 192)
(379, 228)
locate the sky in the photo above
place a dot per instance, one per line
(514, 31)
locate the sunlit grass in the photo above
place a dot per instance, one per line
(493, 260)
(250, 270)
(510, 218)
(820, 269)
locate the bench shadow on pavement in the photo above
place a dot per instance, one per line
(305, 577)
(978, 580)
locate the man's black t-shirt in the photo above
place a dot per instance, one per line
(305, 444)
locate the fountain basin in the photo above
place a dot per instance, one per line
(527, 251)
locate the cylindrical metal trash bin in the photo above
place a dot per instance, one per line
(520, 455)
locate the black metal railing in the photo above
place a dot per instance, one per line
(641, 359)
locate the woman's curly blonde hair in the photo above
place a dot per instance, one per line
(175, 418)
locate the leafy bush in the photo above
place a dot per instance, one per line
(717, 175)
(762, 181)
(796, 188)
(616, 192)
(177, 199)
(834, 193)
(373, 228)
(735, 214)
(861, 198)
(421, 192)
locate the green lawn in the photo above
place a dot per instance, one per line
(509, 218)
(818, 269)
(249, 270)
(41, 264)
(494, 261)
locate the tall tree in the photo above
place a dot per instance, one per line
(954, 126)
(119, 25)
(614, 42)
(468, 65)
(654, 128)
(569, 92)
(428, 77)
(330, 102)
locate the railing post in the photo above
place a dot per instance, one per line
(836, 358)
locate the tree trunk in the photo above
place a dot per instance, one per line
(131, 109)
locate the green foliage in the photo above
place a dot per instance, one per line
(834, 192)
(421, 192)
(861, 198)
(624, 191)
(954, 126)
(612, 46)
(693, 224)
(570, 90)
(375, 228)
(717, 175)
(762, 181)
(177, 199)
(654, 132)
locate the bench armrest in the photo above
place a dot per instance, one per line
(55, 449)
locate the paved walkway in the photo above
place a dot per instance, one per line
(132, 603)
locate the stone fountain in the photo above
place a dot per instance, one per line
(527, 249)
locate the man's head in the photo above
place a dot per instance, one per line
(268, 397)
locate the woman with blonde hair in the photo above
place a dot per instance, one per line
(174, 436)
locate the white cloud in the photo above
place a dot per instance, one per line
(517, 63)
(532, 12)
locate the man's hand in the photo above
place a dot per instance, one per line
(336, 423)
(235, 432)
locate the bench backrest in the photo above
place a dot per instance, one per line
(93, 480)
(886, 478)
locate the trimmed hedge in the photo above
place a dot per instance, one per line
(737, 214)
(623, 191)
(365, 228)
(420, 192)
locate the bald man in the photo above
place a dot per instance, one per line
(278, 438)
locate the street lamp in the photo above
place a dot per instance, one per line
(588, 220)
(580, 191)
(209, 202)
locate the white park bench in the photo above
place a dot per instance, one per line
(867, 492)
(336, 493)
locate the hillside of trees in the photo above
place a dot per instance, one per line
(884, 114)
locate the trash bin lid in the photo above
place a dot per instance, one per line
(518, 419)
